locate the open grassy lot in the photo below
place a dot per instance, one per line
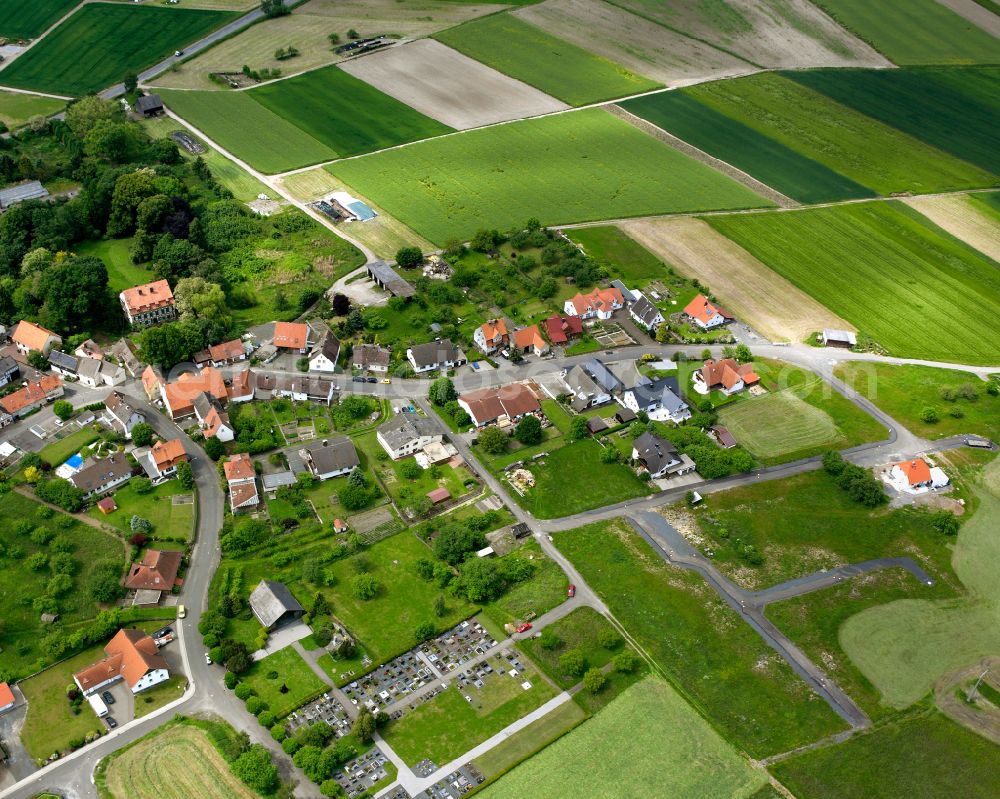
(904, 392)
(956, 109)
(345, 113)
(647, 742)
(122, 273)
(806, 523)
(523, 51)
(448, 725)
(59, 450)
(924, 755)
(248, 130)
(101, 43)
(860, 148)
(152, 699)
(618, 252)
(16, 109)
(292, 673)
(723, 667)
(545, 590)
(20, 20)
(157, 506)
(914, 31)
(150, 768)
(770, 161)
(569, 167)
(572, 479)
(883, 270)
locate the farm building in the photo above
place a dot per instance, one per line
(149, 105)
(32, 190)
(706, 314)
(273, 605)
(439, 495)
(386, 277)
(839, 338)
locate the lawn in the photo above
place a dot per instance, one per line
(22, 636)
(556, 67)
(16, 109)
(149, 768)
(573, 479)
(545, 590)
(122, 273)
(345, 113)
(884, 271)
(925, 755)
(102, 43)
(290, 672)
(805, 523)
(770, 161)
(152, 699)
(169, 520)
(247, 129)
(647, 742)
(619, 254)
(58, 451)
(860, 148)
(955, 109)
(566, 168)
(20, 20)
(449, 725)
(905, 392)
(723, 667)
(914, 31)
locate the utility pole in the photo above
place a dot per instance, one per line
(975, 688)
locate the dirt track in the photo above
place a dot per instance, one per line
(976, 14)
(744, 285)
(959, 216)
(979, 718)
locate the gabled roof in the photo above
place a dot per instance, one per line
(332, 455)
(8, 365)
(89, 367)
(6, 695)
(102, 472)
(166, 453)
(662, 392)
(151, 379)
(157, 571)
(149, 102)
(703, 309)
(291, 335)
(242, 385)
(147, 297)
(61, 360)
(243, 494)
(529, 337)
(214, 421)
(435, 352)
(603, 376)
(366, 355)
(916, 471)
(118, 405)
(404, 427)
(657, 453)
(329, 346)
(727, 373)
(598, 300)
(131, 654)
(438, 495)
(227, 351)
(30, 335)
(512, 400)
(645, 311)
(271, 600)
(560, 328)
(239, 467)
(181, 394)
(31, 394)
(494, 329)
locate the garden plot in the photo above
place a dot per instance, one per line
(767, 33)
(637, 43)
(961, 217)
(776, 308)
(450, 87)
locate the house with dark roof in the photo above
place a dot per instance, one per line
(31, 190)
(131, 656)
(213, 418)
(660, 457)
(273, 605)
(103, 475)
(324, 357)
(120, 415)
(406, 434)
(603, 376)
(442, 354)
(646, 314)
(371, 358)
(157, 571)
(149, 105)
(95, 373)
(387, 277)
(584, 389)
(659, 398)
(9, 370)
(722, 436)
(63, 364)
(330, 458)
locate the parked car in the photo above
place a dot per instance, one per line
(208, 659)
(372, 380)
(181, 611)
(357, 379)
(524, 627)
(609, 352)
(162, 632)
(571, 591)
(108, 697)
(110, 721)
(386, 380)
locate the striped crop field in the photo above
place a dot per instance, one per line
(572, 167)
(21, 20)
(916, 290)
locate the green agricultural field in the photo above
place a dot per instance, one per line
(247, 129)
(725, 669)
(905, 392)
(529, 740)
(17, 109)
(122, 273)
(882, 270)
(21, 20)
(102, 43)
(293, 673)
(856, 146)
(169, 520)
(772, 162)
(345, 113)
(619, 254)
(647, 742)
(915, 31)
(955, 109)
(449, 725)
(925, 755)
(523, 51)
(569, 167)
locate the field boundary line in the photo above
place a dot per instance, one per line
(45, 33)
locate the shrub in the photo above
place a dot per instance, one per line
(929, 416)
(626, 662)
(594, 680)
(424, 631)
(243, 690)
(573, 663)
(365, 586)
(609, 639)
(256, 705)
(231, 680)
(266, 718)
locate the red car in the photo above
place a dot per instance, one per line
(524, 627)
(571, 591)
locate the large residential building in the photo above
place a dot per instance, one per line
(502, 405)
(660, 399)
(706, 314)
(120, 415)
(29, 337)
(660, 457)
(599, 303)
(157, 571)
(491, 336)
(330, 457)
(242, 480)
(103, 475)
(371, 358)
(433, 355)
(726, 376)
(292, 336)
(34, 395)
(148, 304)
(324, 357)
(406, 434)
(132, 656)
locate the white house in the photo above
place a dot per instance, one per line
(120, 415)
(917, 476)
(406, 434)
(433, 355)
(705, 313)
(659, 399)
(103, 475)
(600, 303)
(491, 336)
(324, 357)
(328, 458)
(132, 656)
(94, 373)
(645, 313)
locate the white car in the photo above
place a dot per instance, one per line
(208, 660)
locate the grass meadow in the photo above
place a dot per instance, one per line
(955, 109)
(292, 672)
(102, 43)
(770, 161)
(248, 130)
(122, 273)
(926, 755)
(856, 146)
(16, 109)
(20, 20)
(345, 113)
(570, 167)
(556, 67)
(618, 252)
(915, 31)
(647, 742)
(725, 669)
(899, 281)
(170, 520)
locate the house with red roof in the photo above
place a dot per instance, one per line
(560, 329)
(166, 455)
(29, 337)
(529, 339)
(7, 698)
(600, 303)
(706, 314)
(148, 304)
(726, 376)
(130, 656)
(34, 395)
(242, 480)
(917, 476)
(157, 571)
(291, 336)
(491, 336)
